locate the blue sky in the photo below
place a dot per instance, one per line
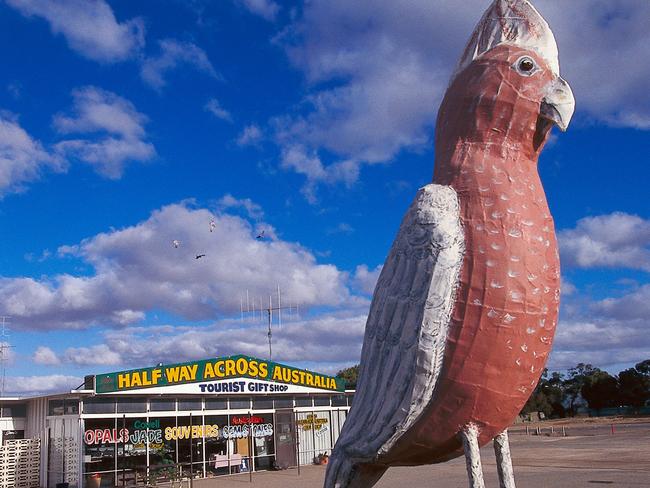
(126, 125)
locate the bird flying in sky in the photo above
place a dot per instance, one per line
(465, 308)
(212, 225)
(260, 235)
(176, 243)
(199, 256)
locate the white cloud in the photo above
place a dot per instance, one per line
(117, 128)
(214, 107)
(630, 307)
(377, 71)
(250, 136)
(340, 228)
(308, 163)
(89, 27)
(174, 53)
(567, 288)
(613, 240)
(22, 159)
(603, 332)
(318, 341)
(608, 36)
(252, 209)
(99, 354)
(136, 270)
(366, 279)
(264, 8)
(32, 385)
(45, 356)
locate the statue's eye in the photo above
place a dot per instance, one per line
(526, 66)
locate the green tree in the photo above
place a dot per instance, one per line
(547, 397)
(600, 390)
(572, 385)
(350, 375)
(634, 387)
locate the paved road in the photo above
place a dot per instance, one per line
(621, 460)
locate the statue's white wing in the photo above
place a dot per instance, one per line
(407, 325)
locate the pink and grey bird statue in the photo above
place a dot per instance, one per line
(464, 311)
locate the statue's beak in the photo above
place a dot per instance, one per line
(558, 104)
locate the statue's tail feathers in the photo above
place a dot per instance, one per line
(344, 473)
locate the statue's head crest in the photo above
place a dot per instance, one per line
(513, 22)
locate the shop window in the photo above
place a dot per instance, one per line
(63, 407)
(132, 448)
(350, 399)
(304, 402)
(189, 435)
(71, 406)
(186, 404)
(99, 405)
(314, 431)
(162, 455)
(19, 410)
(263, 441)
(216, 404)
(240, 403)
(159, 405)
(55, 407)
(100, 442)
(131, 405)
(322, 401)
(339, 401)
(220, 452)
(262, 403)
(286, 402)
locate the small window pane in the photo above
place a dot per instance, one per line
(236, 403)
(189, 404)
(14, 410)
(162, 405)
(284, 402)
(55, 408)
(259, 403)
(131, 405)
(339, 401)
(71, 406)
(322, 401)
(350, 399)
(216, 404)
(304, 402)
(99, 405)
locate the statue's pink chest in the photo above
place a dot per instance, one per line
(506, 304)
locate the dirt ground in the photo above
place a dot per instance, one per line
(589, 456)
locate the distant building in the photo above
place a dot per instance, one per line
(212, 417)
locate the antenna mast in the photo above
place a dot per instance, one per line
(4, 346)
(269, 314)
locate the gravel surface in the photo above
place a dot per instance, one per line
(589, 457)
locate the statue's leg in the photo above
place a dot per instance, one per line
(504, 461)
(469, 436)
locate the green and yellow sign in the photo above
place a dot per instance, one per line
(214, 369)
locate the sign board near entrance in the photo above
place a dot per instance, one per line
(214, 369)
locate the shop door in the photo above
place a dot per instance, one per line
(285, 439)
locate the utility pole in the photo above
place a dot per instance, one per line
(4, 346)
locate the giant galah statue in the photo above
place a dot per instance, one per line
(464, 312)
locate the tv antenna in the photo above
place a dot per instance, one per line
(249, 307)
(4, 346)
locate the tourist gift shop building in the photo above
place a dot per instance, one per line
(201, 419)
